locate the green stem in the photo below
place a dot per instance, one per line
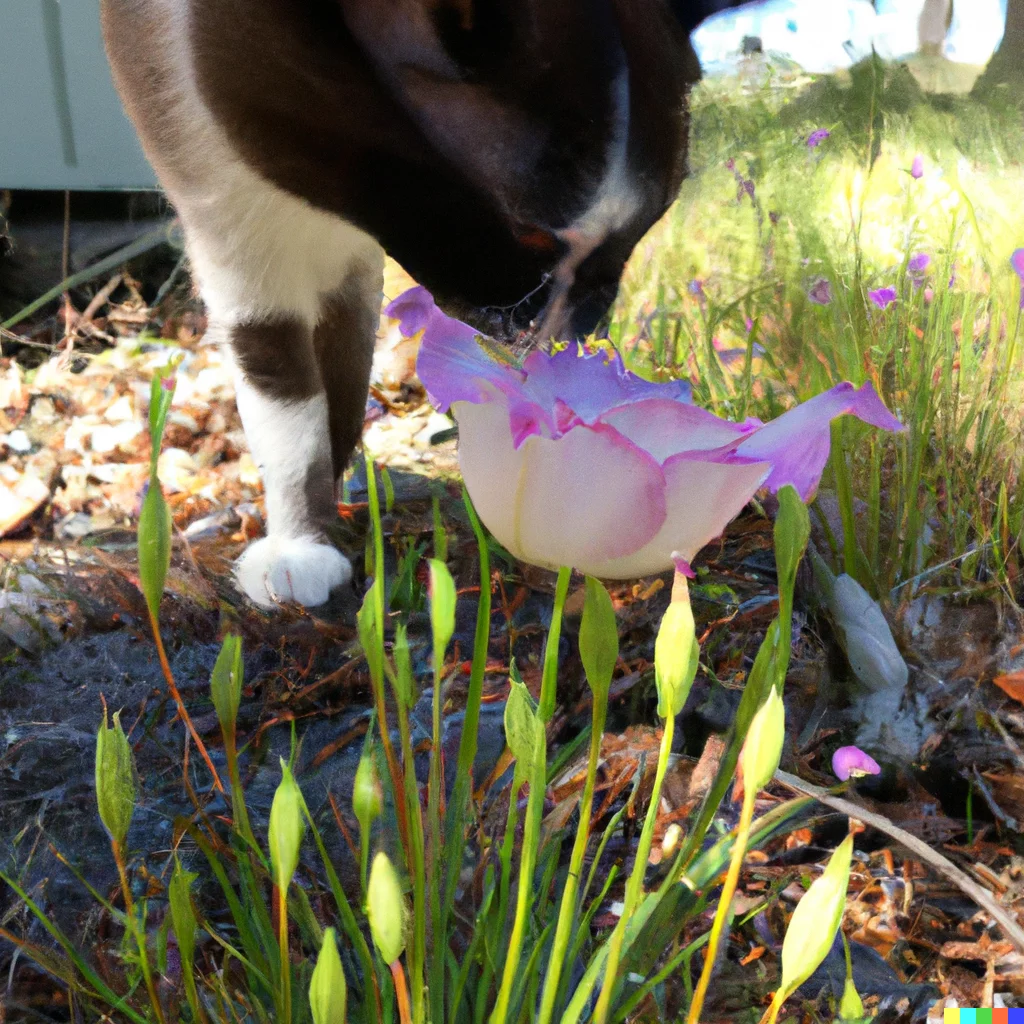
(549, 684)
(531, 836)
(739, 851)
(417, 955)
(434, 813)
(457, 809)
(636, 879)
(286, 967)
(567, 910)
(238, 807)
(380, 703)
(137, 932)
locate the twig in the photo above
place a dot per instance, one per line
(99, 299)
(150, 240)
(1011, 929)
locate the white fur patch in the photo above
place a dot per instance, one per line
(614, 204)
(301, 569)
(287, 440)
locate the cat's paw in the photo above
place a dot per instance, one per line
(305, 570)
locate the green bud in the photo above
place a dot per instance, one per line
(442, 609)
(763, 746)
(287, 826)
(226, 683)
(599, 638)
(115, 779)
(675, 658)
(370, 636)
(183, 916)
(327, 988)
(524, 731)
(850, 1006)
(367, 796)
(813, 926)
(385, 908)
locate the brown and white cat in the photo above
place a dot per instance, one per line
(508, 153)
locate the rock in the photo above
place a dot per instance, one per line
(874, 657)
(18, 441)
(122, 411)
(21, 494)
(213, 526)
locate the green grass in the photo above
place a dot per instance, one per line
(947, 359)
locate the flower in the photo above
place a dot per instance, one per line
(852, 763)
(917, 167)
(1017, 262)
(883, 297)
(817, 137)
(570, 460)
(728, 355)
(917, 265)
(820, 293)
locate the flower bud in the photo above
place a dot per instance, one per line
(763, 746)
(367, 796)
(115, 779)
(675, 658)
(226, 683)
(287, 827)
(183, 916)
(385, 908)
(327, 989)
(850, 1006)
(442, 609)
(813, 926)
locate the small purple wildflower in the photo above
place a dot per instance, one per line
(883, 297)
(817, 137)
(168, 383)
(917, 167)
(748, 323)
(696, 289)
(852, 762)
(1017, 262)
(820, 293)
(918, 264)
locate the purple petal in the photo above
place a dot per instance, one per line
(797, 443)
(918, 263)
(1017, 262)
(820, 293)
(917, 167)
(852, 762)
(452, 363)
(817, 137)
(883, 297)
(665, 428)
(591, 384)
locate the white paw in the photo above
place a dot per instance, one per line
(275, 569)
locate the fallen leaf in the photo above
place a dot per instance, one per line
(1012, 684)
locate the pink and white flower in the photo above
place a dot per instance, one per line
(572, 460)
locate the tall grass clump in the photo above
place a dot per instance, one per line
(454, 915)
(858, 230)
